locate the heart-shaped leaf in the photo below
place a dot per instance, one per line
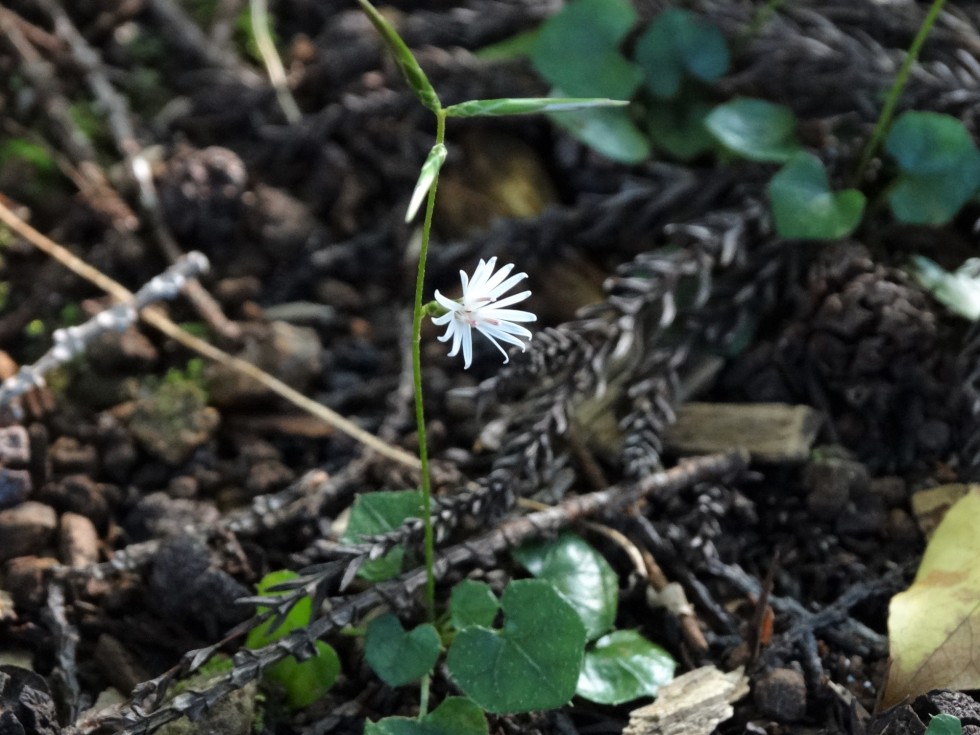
(304, 682)
(678, 42)
(945, 725)
(580, 574)
(677, 127)
(577, 49)
(455, 716)
(532, 662)
(804, 207)
(940, 167)
(609, 131)
(380, 512)
(472, 603)
(755, 129)
(400, 657)
(933, 626)
(623, 666)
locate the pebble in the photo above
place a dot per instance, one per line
(129, 351)
(78, 541)
(24, 579)
(173, 422)
(15, 446)
(892, 490)
(901, 527)
(15, 487)
(79, 494)
(830, 482)
(780, 694)
(158, 515)
(69, 456)
(26, 529)
(864, 516)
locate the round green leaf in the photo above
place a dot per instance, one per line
(934, 199)
(755, 129)
(580, 574)
(944, 724)
(677, 128)
(803, 206)
(380, 512)
(306, 681)
(928, 142)
(455, 716)
(577, 49)
(623, 666)
(678, 42)
(532, 662)
(298, 617)
(399, 657)
(472, 603)
(609, 131)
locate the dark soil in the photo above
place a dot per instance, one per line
(144, 490)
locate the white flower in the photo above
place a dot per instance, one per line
(479, 309)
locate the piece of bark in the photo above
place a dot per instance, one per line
(771, 432)
(692, 704)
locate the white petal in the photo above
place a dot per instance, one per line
(481, 275)
(507, 328)
(494, 334)
(497, 345)
(507, 302)
(498, 278)
(507, 285)
(459, 336)
(443, 318)
(467, 348)
(447, 303)
(449, 331)
(507, 315)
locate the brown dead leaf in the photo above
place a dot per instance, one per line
(934, 626)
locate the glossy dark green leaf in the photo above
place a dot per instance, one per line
(472, 603)
(940, 167)
(455, 716)
(529, 106)
(380, 512)
(676, 43)
(755, 129)
(404, 57)
(580, 574)
(532, 662)
(610, 132)
(577, 49)
(624, 666)
(804, 207)
(399, 657)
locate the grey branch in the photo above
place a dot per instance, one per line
(71, 342)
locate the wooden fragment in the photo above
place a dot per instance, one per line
(692, 704)
(770, 432)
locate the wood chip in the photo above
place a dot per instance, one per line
(929, 506)
(692, 704)
(771, 432)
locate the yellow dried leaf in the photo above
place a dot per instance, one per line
(934, 626)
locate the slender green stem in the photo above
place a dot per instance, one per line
(424, 696)
(888, 110)
(430, 586)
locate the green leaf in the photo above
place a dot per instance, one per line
(427, 177)
(529, 106)
(406, 61)
(609, 131)
(940, 167)
(297, 617)
(515, 47)
(755, 129)
(304, 682)
(580, 574)
(945, 725)
(472, 603)
(677, 127)
(532, 662)
(623, 666)
(680, 42)
(455, 716)
(399, 657)
(380, 512)
(804, 207)
(577, 49)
